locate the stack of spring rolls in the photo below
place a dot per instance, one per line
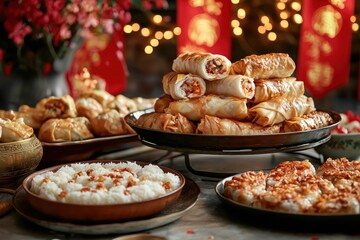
(207, 94)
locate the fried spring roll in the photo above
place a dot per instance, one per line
(279, 109)
(88, 107)
(102, 96)
(57, 107)
(32, 117)
(110, 123)
(312, 120)
(270, 88)
(122, 104)
(166, 122)
(271, 65)
(215, 125)
(14, 130)
(65, 129)
(212, 105)
(183, 86)
(238, 86)
(162, 103)
(206, 65)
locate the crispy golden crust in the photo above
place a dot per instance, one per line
(14, 130)
(110, 123)
(296, 187)
(162, 103)
(88, 107)
(65, 129)
(166, 122)
(271, 65)
(277, 87)
(213, 105)
(58, 107)
(312, 120)
(246, 187)
(215, 125)
(279, 109)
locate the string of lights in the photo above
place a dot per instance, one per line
(287, 15)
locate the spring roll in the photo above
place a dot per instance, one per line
(276, 87)
(102, 96)
(271, 65)
(223, 126)
(279, 109)
(166, 122)
(32, 116)
(162, 103)
(206, 65)
(88, 107)
(65, 129)
(183, 86)
(122, 104)
(58, 107)
(14, 130)
(312, 120)
(110, 123)
(213, 105)
(238, 86)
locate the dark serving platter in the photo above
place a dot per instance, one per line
(286, 220)
(67, 152)
(231, 143)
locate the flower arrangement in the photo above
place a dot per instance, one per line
(35, 33)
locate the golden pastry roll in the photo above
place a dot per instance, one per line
(213, 105)
(276, 87)
(65, 129)
(239, 86)
(224, 126)
(162, 103)
(88, 107)
(57, 107)
(183, 86)
(122, 104)
(102, 96)
(279, 109)
(176, 123)
(14, 130)
(110, 123)
(205, 65)
(31, 116)
(312, 120)
(271, 65)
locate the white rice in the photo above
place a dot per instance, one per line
(107, 183)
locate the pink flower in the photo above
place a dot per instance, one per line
(37, 32)
(19, 32)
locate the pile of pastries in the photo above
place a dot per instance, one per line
(297, 187)
(207, 94)
(95, 113)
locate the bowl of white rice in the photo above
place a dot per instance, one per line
(103, 191)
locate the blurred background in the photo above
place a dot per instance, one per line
(257, 27)
(131, 44)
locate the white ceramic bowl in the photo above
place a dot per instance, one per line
(341, 145)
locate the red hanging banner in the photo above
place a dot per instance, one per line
(325, 45)
(205, 26)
